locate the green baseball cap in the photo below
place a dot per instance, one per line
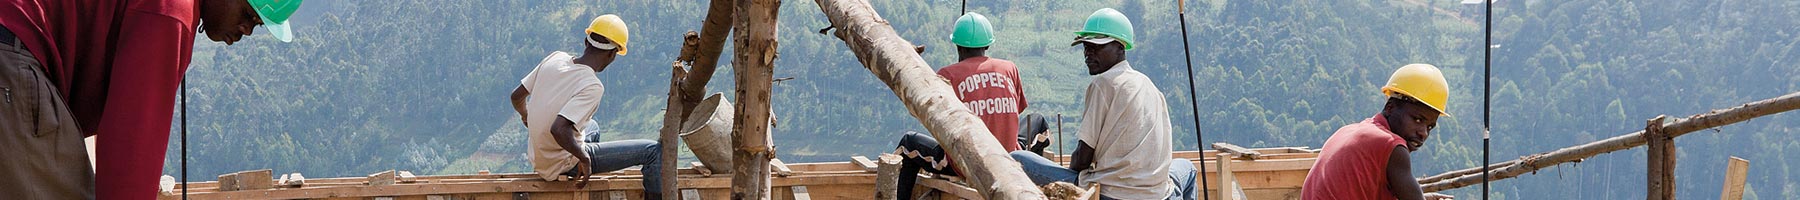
(275, 15)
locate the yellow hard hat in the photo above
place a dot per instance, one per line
(1423, 82)
(611, 27)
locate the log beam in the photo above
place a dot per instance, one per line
(990, 170)
(754, 66)
(701, 53)
(1679, 127)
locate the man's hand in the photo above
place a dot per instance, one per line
(1436, 196)
(582, 172)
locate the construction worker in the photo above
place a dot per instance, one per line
(567, 93)
(1369, 159)
(989, 87)
(108, 69)
(1124, 137)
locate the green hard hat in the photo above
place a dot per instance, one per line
(973, 31)
(275, 15)
(1110, 23)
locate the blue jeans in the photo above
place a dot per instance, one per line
(616, 155)
(1043, 171)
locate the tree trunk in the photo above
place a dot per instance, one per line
(686, 87)
(669, 138)
(754, 66)
(987, 167)
(713, 32)
(1677, 128)
(1660, 161)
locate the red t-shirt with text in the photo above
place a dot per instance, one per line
(990, 88)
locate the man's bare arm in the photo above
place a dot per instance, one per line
(1083, 158)
(1399, 175)
(518, 101)
(564, 132)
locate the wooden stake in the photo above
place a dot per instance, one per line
(1677, 128)
(1661, 161)
(754, 66)
(988, 168)
(1228, 188)
(1736, 169)
(887, 177)
(669, 138)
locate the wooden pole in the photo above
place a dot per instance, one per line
(1661, 161)
(668, 137)
(1736, 169)
(988, 168)
(754, 65)
(713, 32)
(887, 177)
(1677, 128)
(686, 87)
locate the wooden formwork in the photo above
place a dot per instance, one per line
(1276, 174)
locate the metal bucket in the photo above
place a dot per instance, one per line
(707, 132)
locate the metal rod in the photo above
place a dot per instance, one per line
(1059, 140)
(184, 147)
(1487, 62)
(1193, 100)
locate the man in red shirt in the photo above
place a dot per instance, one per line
(988, 86)
(77, 68)
(1370, 159)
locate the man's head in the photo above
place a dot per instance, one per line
(230, 20)
(973, 35)
(1107, 34)
(1101, 54)
(1417, 95)
(1411, 119)
(607, 38)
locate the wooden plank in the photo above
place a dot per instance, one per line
(690, 194)
(800, 193)
(701, 167)
(228, 182)
(404, 177)
(781, 169)
(887, 177)
(865, 163)
(1237, 151)
(1736, 170)
(1226, 182)
(388, 177)
(950, 188)
(247, 180)
(616, 195)
(293, 180)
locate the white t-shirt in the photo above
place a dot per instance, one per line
(558, 87)
(1127, 123)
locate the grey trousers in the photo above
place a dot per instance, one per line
(44, 155)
